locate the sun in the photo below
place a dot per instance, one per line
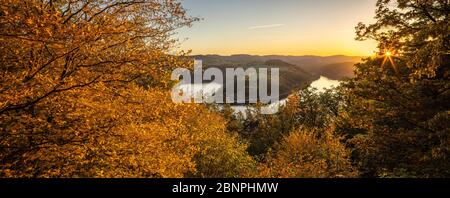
(388, 57)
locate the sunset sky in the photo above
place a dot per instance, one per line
(281, 27)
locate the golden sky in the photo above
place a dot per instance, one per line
(281, 27)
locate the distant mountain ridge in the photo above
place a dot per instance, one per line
(315, 65)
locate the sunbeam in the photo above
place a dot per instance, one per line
(388, 56)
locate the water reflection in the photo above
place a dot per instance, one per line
(324, 83)
(205, 89)
(320, 84)
(208, 88)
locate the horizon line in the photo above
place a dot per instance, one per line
(213, 54)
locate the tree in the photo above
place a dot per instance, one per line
(221, 152)
(314, 109)
(303, 154)
(306, 108)
(397, 105)
(84, 92)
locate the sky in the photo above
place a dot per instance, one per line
(277, 27)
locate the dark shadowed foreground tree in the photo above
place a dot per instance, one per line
(84, 92)
(398, 104)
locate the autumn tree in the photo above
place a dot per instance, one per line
(397, 105)
(221, 153)
(84, 92)
(307, 108)
(303, 153)
(300, 140)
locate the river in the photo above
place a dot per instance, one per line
(320, 84)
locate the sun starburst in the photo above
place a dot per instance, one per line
(388, 57)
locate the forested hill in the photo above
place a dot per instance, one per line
(291, 76)
(333, 67)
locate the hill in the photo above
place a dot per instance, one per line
(336, 71)
(333, 67)
(291, 77)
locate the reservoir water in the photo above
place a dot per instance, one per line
(208, 88)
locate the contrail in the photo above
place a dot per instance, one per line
(265, 26)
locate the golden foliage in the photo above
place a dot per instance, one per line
(303, 153)
(84, 93)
